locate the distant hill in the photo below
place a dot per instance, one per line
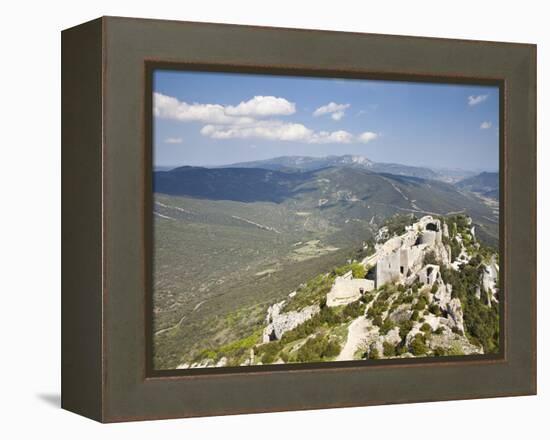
(486, 184)
(237, 184)
(339, 193)
(307, 163)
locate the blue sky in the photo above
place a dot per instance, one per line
(206, 119)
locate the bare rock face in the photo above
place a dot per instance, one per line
(453, 343)
(445, 230)
(490, 280)
(392, 337)
(443, 295)
(401, 313)
(273, 311)
(442, 253)
(455, 315)
(283, 322)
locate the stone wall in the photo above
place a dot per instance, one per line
(346, 290)
(388, 269)
(283, 322)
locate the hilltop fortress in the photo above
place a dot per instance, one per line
(397, 260)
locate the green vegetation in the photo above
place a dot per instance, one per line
(421, 304)
(268, 353)
(389, 349)
(418, 345)
(396, 224)
(358, 270)
(353, 310)
(481, 321)
(429, 258)
(313, 292)
(404, 328)
(372, 354)
(318, 348)
(454, 350)
(387, 325)
(426, 327)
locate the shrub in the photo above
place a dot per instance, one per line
(353, 310)
(373, 354)
(401, 349)
(434, 289)
(329, 316)
(420, 304)
(429, 258)
(458, 331)
(268, 352)
(414, 316)
(404, 328)
(377, 321)
(358, 270)
(387, 325)
(367, 298)
(389, 349)
(426, 327)
(434, 308)
(318, 348)
(418, 345)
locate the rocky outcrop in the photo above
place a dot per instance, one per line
(283, 322)
(489, 280)
(273, 311)
(452, 343)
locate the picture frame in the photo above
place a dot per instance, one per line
(107, 234)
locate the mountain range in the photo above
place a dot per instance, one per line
(308, 163)
(336, 193)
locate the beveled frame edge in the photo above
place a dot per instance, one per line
(82, 78)
(109, 414)
(152, 64)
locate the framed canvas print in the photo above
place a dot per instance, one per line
(262, 219)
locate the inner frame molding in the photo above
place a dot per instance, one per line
(300, 71)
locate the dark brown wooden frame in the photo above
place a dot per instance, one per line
(106, 234)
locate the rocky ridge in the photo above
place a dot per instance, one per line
(413, 310)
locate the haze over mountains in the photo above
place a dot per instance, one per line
(307, 163)
(485, 184)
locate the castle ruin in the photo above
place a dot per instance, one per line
(398, 260)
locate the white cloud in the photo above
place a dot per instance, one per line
(261, 106)
(168, 107)
(367, 136)
(276, 131)
(243, 121)
(475, 100)
(173, 140)
(485, 125)
(336, 111)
